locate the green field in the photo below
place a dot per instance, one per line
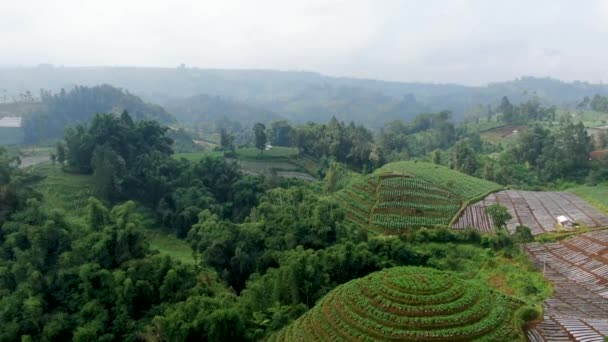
(277, 152)
(279, 161)
(590, 118)
(408, 304)
(70, 193)
(250, 153)
(596, 195)
(405, 195)
(168, 244)
(466, 187)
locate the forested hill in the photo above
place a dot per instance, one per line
(204, 109)
(302, 96)
(78, 105)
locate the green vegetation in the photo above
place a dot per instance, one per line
(404, 195)
(64, 191)
(168, 244)
(465, 187)
(277, 152)
(407, 303)
(121, 239)
(596, 195)
(80, 105)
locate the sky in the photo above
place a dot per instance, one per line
(471, 42)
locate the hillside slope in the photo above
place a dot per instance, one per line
(407, 304)
(303, 96)
(409, 194)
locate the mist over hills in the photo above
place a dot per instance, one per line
(295, 95)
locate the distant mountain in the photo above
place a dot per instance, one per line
(214, 110)
(301, 96)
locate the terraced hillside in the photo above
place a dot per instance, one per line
(578, 269)
(405, 195)
(407, 304)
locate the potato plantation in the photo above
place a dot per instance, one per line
(406, 304)
(407, 195)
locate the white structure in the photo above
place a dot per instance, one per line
(11, 121)
(268, 147)
(565, 222)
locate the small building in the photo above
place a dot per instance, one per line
(268, 147)
(565, 222)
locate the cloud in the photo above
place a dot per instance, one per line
(464, 41)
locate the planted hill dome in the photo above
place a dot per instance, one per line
(406, 304)
(411, 194)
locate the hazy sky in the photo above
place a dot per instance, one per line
(470, 42)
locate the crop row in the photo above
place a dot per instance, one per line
(353, 202)
(465, 186)
(348, 313)
(401, 222)
(416, 194)
(479, 326)
(444, 208)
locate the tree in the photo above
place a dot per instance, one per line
(499, 214)
(280, 133)
(259, 130)
(109, 168)
(60, 153)
(226, 140)
(507, 110)
(464, 158)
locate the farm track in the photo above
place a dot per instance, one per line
(533, 209)
(578, 269)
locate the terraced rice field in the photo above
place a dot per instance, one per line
(578, 269)
(407, 304)
(533, 209)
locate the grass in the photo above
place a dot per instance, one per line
(65, 191)
(196, 156)
(502, 135)
(70, 192)
(168, 244)
(596, 195)
(277, 152)
(249, 153)
(590, 118)
(279, 159)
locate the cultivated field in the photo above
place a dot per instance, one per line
(405, 195)
(578, 269)
(407, 304)
(596, 195)
(536, 210)
(274, 162)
